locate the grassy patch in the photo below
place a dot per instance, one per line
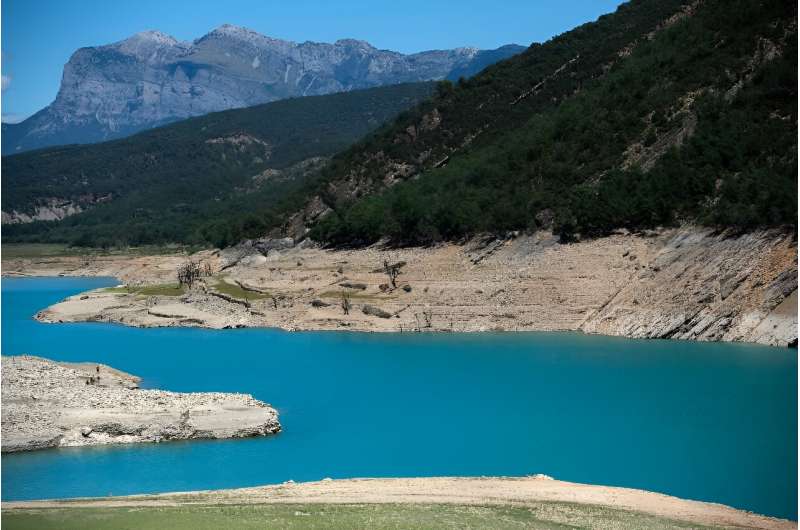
(237, 292)
(166, 289)
(374, 516)
(170, 289)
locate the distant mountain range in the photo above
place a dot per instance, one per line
(151, 79)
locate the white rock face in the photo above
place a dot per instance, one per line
(52, 210)
(151, 78)
(49, 404)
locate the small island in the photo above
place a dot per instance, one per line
(52, 404)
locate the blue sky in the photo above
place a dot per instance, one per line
(38, 36)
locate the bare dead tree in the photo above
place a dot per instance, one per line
(346, 305)
(208, 269)
(188, 273)
(426, 322)
(428, 316)
(392, 271)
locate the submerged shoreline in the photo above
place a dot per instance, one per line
(467, 491)
(684, 283)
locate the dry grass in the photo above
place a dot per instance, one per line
(166, 289)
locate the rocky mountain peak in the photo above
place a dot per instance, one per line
(467, 51)
(355, 44)
(146, 46)
(153, 36)
(241, 34)
(151, 78)
(234, 30)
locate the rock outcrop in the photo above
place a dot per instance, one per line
(50, 404)
(151, 79)
(50, 210)
(705, 286)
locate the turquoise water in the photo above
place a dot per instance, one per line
(714, 422)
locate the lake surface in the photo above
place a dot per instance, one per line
(714, 422)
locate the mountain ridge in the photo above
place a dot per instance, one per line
(151, 78)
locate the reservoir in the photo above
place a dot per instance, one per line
(708, 421)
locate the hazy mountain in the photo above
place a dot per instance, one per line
(151, 79)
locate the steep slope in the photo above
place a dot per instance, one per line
(151, 79)
(159, 185)
(663, 112)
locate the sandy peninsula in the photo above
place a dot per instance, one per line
(50, 404)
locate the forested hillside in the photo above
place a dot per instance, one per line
(661, 113)
(173, 184)
(664, 112)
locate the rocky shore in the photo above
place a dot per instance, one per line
(687, 283)
(50, 404)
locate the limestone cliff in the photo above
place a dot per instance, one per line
(151, 79)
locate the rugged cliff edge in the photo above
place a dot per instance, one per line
(50, 404)
(687, 283)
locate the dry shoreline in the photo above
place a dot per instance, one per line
(687, 283)
(441, 490)
(53, 404)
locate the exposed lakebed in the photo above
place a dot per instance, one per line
(707, 421)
